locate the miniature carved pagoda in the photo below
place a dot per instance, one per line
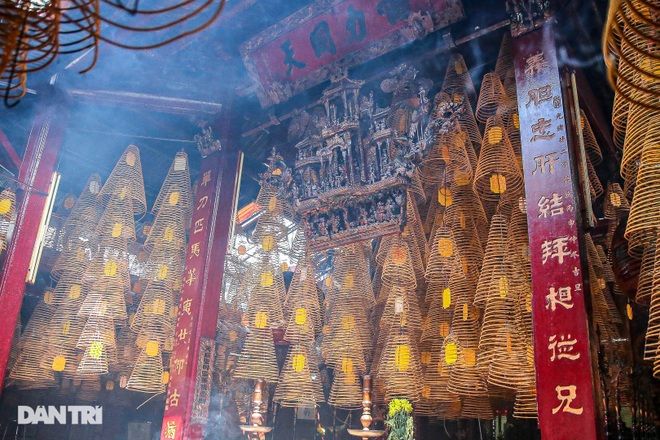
(353, 167)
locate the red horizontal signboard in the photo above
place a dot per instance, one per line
(561, 335)
(305, 48)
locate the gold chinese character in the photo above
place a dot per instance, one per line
(545, 160)
(553, 206)
(186, 305)
(191, 277)
(562, 348)
(539, 95)
(173, 399)
(201, 203)
(170, 430)
(178, 365)
(542, 127)
(566, 395)
(199, 226)
(536, 64)
(183, 333)
(561, 296)
(194, 250)
(557, 248)
(206, 178)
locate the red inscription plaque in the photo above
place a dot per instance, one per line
(307, 47)
(561, 335)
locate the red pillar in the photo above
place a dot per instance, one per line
(189, 390)
(565, 389)
(36, 171)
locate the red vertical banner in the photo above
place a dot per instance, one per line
(200, 294)
(561, 332)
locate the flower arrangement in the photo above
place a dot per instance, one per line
(399, 420)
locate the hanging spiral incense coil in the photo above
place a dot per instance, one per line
(493, 271)
(497, 176)
(493, 99)
(257, 359)
(643, 221)
(614, 201)
(633, 24)
(457, 78)
(299, 382)
(126, 181)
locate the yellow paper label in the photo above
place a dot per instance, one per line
(462, 178)
(267, 279)
(301, 316)
(615, 199)
(494, 135)
(445, 247)
(444, 197)
(399, 255)
(451, 353)
(66, 326)
(5, 206)
(349, 281)
(151, 348)
(285, 266)
(469, 357)
(158, 307)
(165, 378)
(49, 297)
(162, 272)
(328, 282)
(267, 243)
(59, 363)
(110, 269)
(272, 204)
(446, 298)
(402, 357)
(233, 335)
(174, 198)
(503, 286)
(95, 350)
(298, 362)
(123, 193)
(425, 357)
(242, 250)
(444, 329)
(465, 312)
(80, 255)
(516, 121)
(347, 365)
(348, 322)
(445, 153)
(168, 234)
(458, 68)
(629, 312)
(116, 229)
(260, 320)
(497, 183)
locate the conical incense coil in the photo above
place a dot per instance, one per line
(346, 391)
(177, 186)
(400, 368)
(126, 178)
(33, 344)
(512, 127)
(98, 342)
(590, 144)
(615, 201)
(492, 98)
(352, 272)
(147, 375)
(398, 268)
(401, 309)
(416, 227)
(257, 359)
(302, 307)
(642, 134)
(595, 186)
(493, 266)
(498, 175)
(299, 247)
(80, 230)
(443, 251)
(296, 385)
(525, 406)
(457, 78)
(437, 323)
(643, 220)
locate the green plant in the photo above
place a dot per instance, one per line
(399, 420)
